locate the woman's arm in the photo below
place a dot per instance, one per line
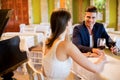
(79, 58)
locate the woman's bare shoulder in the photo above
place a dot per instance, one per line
(65, 44)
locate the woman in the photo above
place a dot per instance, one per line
(61, 51)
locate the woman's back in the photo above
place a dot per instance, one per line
(55, 69)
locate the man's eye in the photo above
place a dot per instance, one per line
(88, 17)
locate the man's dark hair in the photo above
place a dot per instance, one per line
(91, 9)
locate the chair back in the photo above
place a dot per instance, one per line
(33, 73)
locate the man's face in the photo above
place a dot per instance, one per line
(90, 18)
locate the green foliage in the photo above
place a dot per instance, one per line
(100, 4)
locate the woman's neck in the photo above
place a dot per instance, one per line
(62, 36)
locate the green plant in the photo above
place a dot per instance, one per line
(100, 4)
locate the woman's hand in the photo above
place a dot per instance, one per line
(97, 51)
(102, 58)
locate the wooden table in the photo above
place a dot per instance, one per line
(111, 69)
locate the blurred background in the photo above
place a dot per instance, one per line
(39, 11)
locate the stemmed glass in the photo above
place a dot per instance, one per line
(113, 44)
(101, 43)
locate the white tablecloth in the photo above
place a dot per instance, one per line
(111, 70)
(25, 41)
(38, 37)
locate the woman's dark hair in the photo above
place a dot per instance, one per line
(58, 23)
(91, 9)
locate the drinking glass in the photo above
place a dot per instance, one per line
(112, 44)
(101, 43)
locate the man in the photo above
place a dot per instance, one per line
(85, 35)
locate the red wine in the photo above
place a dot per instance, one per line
(112, 43)
(101, 47)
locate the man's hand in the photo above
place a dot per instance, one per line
(89, 54)
(114, 50)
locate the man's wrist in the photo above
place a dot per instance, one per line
(91, 50)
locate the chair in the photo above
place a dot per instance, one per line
(36, 58)
(27, 28)
(33, 73)
(35, 55)
(21, 26)
(44, 28)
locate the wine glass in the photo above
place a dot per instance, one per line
(101, 43)
(112, 44)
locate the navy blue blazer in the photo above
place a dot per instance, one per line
(81, 36)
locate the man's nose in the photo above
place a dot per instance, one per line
(90, 19)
